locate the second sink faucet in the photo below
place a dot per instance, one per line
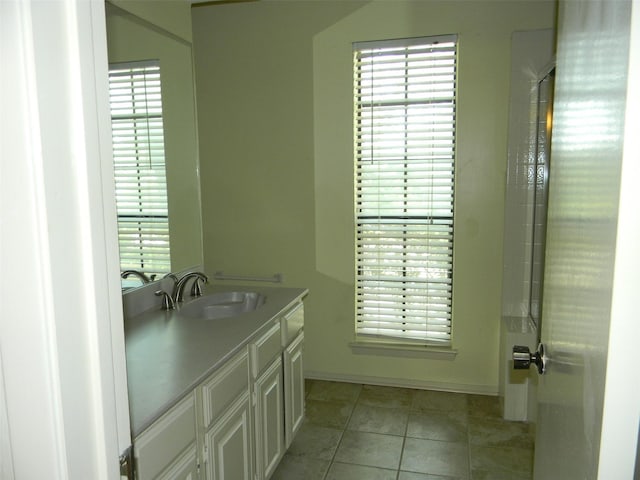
(196, 290)
(143, 278)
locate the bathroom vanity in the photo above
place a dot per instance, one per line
(216, 398)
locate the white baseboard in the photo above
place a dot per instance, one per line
(404, 383)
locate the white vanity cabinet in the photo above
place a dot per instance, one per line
(226, 422)
(167, 449)
(266, 354)
(238, 422)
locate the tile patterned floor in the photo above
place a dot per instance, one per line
(365, 432)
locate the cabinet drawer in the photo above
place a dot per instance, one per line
(265, 349)
(225, 386)
(166, 439)
(292, 322)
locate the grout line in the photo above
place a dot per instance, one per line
(469, 439)
(344, 429)
(404, 441)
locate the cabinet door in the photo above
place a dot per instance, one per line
(293, 389)
(184, 468)
(228, 448)
(269, 420)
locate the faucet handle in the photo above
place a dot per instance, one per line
(167, 301)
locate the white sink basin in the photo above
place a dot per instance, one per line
(222, 305)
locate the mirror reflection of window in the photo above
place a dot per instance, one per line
(139, 162)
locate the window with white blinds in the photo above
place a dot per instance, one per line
(139, 162)
(405, 111)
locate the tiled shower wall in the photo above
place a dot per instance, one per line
(532, 53)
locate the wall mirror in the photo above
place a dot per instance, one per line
(131, 40)
(540, 182)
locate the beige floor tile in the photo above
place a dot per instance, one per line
(308, 383)
(378, 420)
(370, 449)
(387, 397)
(486, 406)
(316, 442)
(502, 460)
(494, 432)
(436, 458)
(346, 471)
(334, 413)
(329, 391)
(426, 400)
(485, 475)
(301, 467)
(438, 425)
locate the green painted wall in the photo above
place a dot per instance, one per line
(132, 38)
(174, 16)
(274, 81)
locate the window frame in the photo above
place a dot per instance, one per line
(377, 314)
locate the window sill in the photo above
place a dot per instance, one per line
(389, 349)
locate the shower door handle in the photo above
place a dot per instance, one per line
(523, 358)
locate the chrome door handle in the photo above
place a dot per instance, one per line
(523, 358)
(126, 463)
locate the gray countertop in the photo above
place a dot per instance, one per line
(168, 355)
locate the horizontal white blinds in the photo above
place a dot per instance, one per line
(404, 154)
(139, 161)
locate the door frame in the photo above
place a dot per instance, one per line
(64, 392)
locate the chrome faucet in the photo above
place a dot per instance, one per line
(136, 273)
(196, 290)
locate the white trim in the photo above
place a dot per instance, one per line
(35, 422)
(390, 349)
(62, 341)
(404, 383)
(109, 252)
